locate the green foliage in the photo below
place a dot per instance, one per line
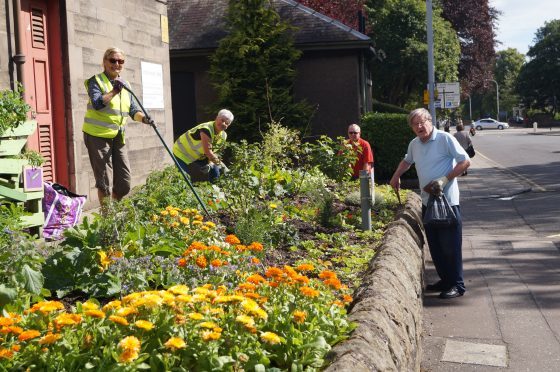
(34, 158)
(334, 158)
(20, 261)
(389, 136)
(539, 78)
(508, 66)
(399, 76)
(253, 70)
(13, 109)
(387, 108)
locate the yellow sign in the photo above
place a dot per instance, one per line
(164, 29)
(426, 97)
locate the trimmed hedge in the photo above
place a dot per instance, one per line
(387, 107)
(389, 136)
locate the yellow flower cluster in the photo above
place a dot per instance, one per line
(173, 218)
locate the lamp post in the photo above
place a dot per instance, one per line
(497, 99)
(470, 107)
(431, 72)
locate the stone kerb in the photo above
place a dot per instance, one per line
(388, 305)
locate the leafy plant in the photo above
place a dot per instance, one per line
(34, 158)
(13, 108)
(333, 158)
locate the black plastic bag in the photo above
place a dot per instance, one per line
(439, 213)
(470, 151)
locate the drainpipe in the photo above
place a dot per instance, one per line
(19, 57)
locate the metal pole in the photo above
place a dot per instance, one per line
(170, 153)
(470, 108)
(431, 73)
(365, 198)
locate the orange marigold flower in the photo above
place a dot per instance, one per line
(201, 262)
(247, 286)
(327, 274)
(182, 262)
(119, 320)
(50, 338)
(305, 267)
(333, 283)
(299, 316)
(16, 347)
(11, 329)
(175, 343)
(129, 343)
(6, 354)
(128, 356)
(338, 303)
(199, 246)
(216, 263)
(95, 314)
(47, 307)
(347, 298)
(309, 292)
(67, 320)
(28, 335)
(255, 279)
(273, 272)
(255, 247)
(240, 247)
(6, 321)
(252, 295)
(274, 284)
(292, 274)
(301, 279)
(232, 239)
(255, 261)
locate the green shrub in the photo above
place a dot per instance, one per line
(13, 109)
(389, 136)
(387, 108)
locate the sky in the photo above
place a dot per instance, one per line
(521, 19)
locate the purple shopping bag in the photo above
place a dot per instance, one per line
(62, 210)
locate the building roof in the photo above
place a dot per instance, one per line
(200, 24)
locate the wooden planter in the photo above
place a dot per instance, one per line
(12, 190)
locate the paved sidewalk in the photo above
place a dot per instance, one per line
(509, 318)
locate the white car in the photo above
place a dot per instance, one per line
(489, 124)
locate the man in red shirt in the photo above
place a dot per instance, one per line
(362, 149)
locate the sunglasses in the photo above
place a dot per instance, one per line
(353, 132)
(114, 60)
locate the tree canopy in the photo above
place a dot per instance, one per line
(508, 65)
(253, 70)
(345, 11)
(539, 79)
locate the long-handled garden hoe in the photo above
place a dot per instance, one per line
(169, 152)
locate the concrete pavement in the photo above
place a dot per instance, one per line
(509, 318)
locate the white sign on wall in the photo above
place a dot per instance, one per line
(152, 85)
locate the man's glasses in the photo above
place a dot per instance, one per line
(353, 132)
(115, 60)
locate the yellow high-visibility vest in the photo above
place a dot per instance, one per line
(106, 122)
(189, 149)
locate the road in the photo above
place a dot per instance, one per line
(534, 161)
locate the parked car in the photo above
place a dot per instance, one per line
(489, 124)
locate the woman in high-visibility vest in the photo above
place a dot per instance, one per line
(194, 149)
(108, 108)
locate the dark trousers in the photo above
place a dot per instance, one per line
(446, 250)
(194, 170)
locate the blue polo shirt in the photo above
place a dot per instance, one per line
(435, 158)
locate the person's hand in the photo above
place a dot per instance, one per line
(118, 85)
(224, 169)
(148, 120)
(436, 186)
(395, 183)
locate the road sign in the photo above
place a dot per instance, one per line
(449, 95)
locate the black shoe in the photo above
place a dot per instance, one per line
(436, 287)
(451, 293)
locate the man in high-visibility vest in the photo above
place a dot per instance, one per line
(107, 111)
(195, 149)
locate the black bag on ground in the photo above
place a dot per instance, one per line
(439, 212)
(470, 151)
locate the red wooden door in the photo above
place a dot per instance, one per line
(37, 80)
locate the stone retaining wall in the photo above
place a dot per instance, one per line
(388, 305)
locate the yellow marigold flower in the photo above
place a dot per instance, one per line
(245, 320)
(28, 335)
(131, 297)
(199, 298)
(119, 320)
(211, 335)
(255, 247)
(164, 213)
(198, 217)
(196, 316)
(175, 343)
(128, 356)
(261, 313)
(205, 228)
(217, 329)
(144, 324)
(115, 304)
(184, 299)
(50, 338)
(299, 316)
(232, 239)
(126, 311)
(305, 267)
(270, 338)
(179, 289)
(154, 217)
(208, 325)
(309, 292)
(6, 354)
(174, 225)
(327, 274)
(197, 223)
(170, 208)
(95, 314)
(6, 321)
(210, 224)
(173, 213)
(88, 305)
(184, 220)
(255, 279)
(129, 343)
(201, 262)
(273, 206)
(47, 307)
(104, 260)
(66, 319)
